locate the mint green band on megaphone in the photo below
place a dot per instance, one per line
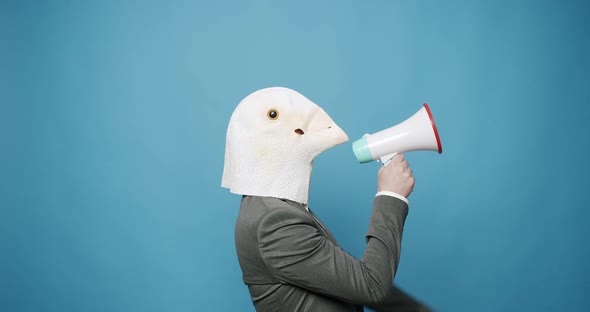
(361, 150)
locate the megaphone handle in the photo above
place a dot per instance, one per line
(387, 159)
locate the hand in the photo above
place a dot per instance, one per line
(396, 177)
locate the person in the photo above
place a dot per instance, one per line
(289, 259)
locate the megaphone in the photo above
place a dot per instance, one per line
(415, 133)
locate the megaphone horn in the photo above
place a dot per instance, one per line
(415, 133)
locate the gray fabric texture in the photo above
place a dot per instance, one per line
(291, 262)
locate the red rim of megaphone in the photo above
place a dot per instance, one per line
(434, 128)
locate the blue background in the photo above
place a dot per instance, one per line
(113, 119)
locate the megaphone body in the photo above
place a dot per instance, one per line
(418, 132)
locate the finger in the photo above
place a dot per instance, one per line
(405, 164)
(399, 157)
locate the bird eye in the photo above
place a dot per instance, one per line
(272, 114)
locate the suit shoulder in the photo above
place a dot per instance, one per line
(270, 210)
(268, 204)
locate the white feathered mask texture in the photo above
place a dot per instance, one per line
(272, 138)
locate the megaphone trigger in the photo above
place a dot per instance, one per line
(385, 160)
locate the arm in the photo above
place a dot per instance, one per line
(399, 301)
(296, 253)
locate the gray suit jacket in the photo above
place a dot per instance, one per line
(291, 262)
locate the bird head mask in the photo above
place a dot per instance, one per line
(272, 138)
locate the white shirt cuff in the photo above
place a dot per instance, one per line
(392, 194)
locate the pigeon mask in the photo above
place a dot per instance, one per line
(272, 138)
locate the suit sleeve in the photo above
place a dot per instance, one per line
(399, 301)
(297, 253)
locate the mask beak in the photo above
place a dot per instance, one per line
(336, 133)
(321, 125)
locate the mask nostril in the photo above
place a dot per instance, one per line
(299, 131)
